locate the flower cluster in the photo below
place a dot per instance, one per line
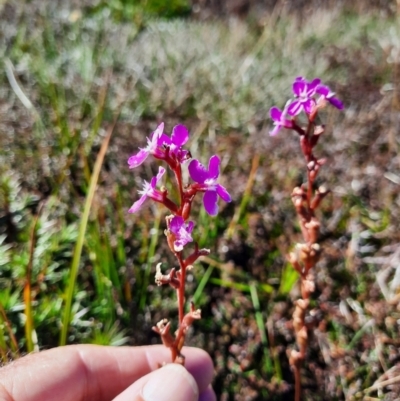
(169, 149)
(308, 97)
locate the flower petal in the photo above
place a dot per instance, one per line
(275, 114)
(190, 226)
(138, 159)
(164, 140)
(275, 130)
(223, 193)
(210, 202)
(184, 235)
(154, 180)
(294, 108)
(299, 87)
(180, 135)
(309, 105)
(178, 245)
(176, 224)
(159, 131)
(198, 172)
(323, 90)
(334, 101)
(213, 167)
(138, 204)
(312, 86)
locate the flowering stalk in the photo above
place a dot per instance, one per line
(310, 97)
(179, 229)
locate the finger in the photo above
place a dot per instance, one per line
(208, 395)
(83, 372)
(169, 383)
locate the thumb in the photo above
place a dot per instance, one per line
(169, 383)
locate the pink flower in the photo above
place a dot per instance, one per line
(280, 120)
(149, 191)
(327, 94)
(181, 231)
(180, 135)
(153, 148)
(206, 180)
(163, 147)
(304, 92)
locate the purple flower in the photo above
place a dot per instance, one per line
(181, 231)
(327, 94)
(149, 191)
(159, 142)
(279, 120)
(153, 147)
(207, 183)
(304, 92)
(180, 135)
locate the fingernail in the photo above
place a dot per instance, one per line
(171, 383)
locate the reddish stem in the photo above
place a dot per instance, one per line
(298, 382)
(178, 177)
(180, 292)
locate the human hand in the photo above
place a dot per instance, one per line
(91, 372)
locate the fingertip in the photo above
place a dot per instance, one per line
(208, 395)
(169, 383)
(199, 363)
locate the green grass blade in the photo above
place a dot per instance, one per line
(261, 327)
(202, 284)
(81, 236)
(150, 257)
(289, 278)
(29, 328)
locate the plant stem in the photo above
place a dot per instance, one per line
(298, 383)
(180, 292)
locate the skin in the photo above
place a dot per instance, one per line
(96, 373)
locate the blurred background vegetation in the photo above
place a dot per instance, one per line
(82, 84)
